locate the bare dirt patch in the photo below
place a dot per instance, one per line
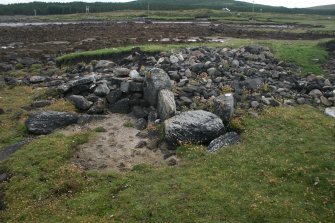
(114, 146)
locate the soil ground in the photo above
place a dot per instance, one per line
(115, 147)
(48, 41)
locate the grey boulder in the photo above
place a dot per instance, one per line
(166, 104)
(46, 122)
(80, 102)
(225, 140)
(102, 90)
(193, 127)
(155, 80)
(224, 107)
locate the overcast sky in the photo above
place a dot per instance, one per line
(286, 3)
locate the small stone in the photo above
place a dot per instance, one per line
(2, 111)
(141, 124)
(327, 83)
(254, 104)
(174, 59)
(125, 87)
(141, 144)
(301, 101)
(172, 161)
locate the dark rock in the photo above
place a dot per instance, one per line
(83, 81)
(98, 107)
(155, 80)
(3, 177)
(225, 140)
(198, 67)
(2, 111)
(10, 81)
(141, 124)
(253, 84)
(193, 127)
(5, 152)
(135, 87)
(139, 112)
(254, 49)
(80, 102)
(114, 96)
(41, 103)
(46, 122)
(224, 107)
(166, 104)
(152, 116)
(141, 144)
(102, 90)
(2, 202)
(81, 89)
(122, 106)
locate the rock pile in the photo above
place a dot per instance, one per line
(168, 85)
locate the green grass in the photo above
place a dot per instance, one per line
(12, 128)
(14, 101)
(301, 53)
(282, 171)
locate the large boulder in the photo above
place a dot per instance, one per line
(225, 140)
(80, 102)
(224, 107)
(46, 122)
(155, 80)
(193, 127)
(122, 106)
(166, 104)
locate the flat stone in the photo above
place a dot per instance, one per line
(46, 122)
(225, 140)
(330, 112)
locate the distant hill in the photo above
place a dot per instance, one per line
(324, 7)
(54, 8)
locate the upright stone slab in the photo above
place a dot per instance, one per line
(193, 127)
(224, 107)
(166, 104)
(155, 80)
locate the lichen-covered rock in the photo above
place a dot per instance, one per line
(80, 102)
(193, 127)
(225, 140)
(224, 107)
(166, 104)
(102, 90)
(46, 122)
(155, 80)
